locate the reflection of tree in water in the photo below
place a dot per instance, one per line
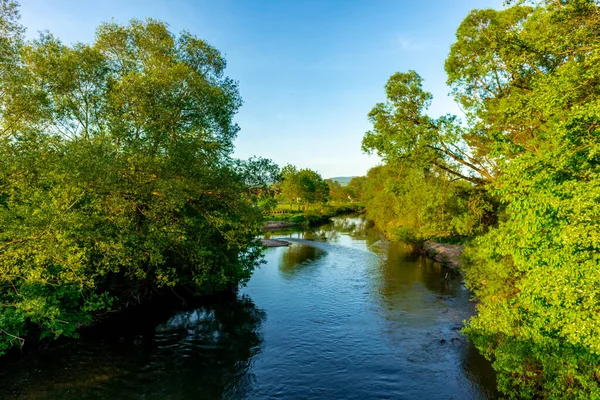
(211, 348)
(323, 234)
(358, 228)
(400, 269)
(479, 371)
(413, 293)
(355, 227)
(396, 275)
(203, 353)
(298, 256)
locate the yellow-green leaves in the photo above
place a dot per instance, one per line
(528, 79)
(116, 178)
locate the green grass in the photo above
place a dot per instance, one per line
(314, 214)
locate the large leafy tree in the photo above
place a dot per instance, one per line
(314, 190)
(430, 185)
(528, 79)
(404, 134)
(290, 185)
(117, 181)
(537, 274)
(434, 175)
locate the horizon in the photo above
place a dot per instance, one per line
(309, 72)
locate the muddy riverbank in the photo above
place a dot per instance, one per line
(446, 254)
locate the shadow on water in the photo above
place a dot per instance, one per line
(204, 353)
(479, 371)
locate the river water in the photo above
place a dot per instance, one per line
(341, 314)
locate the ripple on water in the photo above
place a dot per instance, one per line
(344, 315)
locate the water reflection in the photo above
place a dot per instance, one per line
(297, 257)
(350, 316)
(399, 271)
(205, 353)
(355, 227)
(480, 373)
(424, 306)
(408, 340)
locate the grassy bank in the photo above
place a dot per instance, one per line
(314, 215)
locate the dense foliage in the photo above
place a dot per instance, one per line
(528, 79)
(303, 197)
(116, 181)
(422, 191)
(350, 192)
(538, 273)
(414, 204)
(303, 187)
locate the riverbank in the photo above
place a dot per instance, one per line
(446, 254)
(312, 217)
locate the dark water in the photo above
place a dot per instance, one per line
(338, 315)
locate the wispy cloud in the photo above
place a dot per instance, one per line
(407, 43)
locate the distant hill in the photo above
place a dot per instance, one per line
(343, 180)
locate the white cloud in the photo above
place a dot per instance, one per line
(407, 43)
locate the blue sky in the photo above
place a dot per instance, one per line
(309, 70)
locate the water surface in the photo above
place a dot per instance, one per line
(341, 314)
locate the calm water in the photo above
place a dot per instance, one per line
(338, 315)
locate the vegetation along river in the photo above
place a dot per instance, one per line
(340, 314)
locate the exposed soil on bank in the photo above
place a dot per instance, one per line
(446, 254)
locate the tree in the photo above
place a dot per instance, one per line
(413, 205)
(336, 191)
(117, 182)
(303, 186)
(290, 186)
(356, 187)
(260, 175)
(403, 134)
(537, 274)
(313, 189)
(528, 80)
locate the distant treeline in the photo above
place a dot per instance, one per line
(517, 179)
(302, 196)
(305, 188)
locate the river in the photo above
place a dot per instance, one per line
(341, 314)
